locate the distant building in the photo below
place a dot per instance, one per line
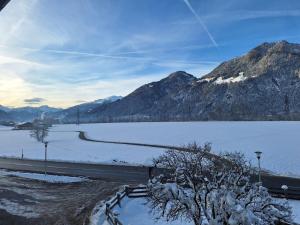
(7, 123)
(24, 126)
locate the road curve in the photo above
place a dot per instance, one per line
(272, 182)
(82, 136)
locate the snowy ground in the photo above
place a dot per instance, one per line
(134, 211)
(279, 141)
(296, 210)
(43, 177)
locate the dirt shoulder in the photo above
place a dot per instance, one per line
(29, 202)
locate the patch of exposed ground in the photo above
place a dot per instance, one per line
(30, 202)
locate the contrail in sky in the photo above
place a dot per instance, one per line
(201, 22)
(77, 53)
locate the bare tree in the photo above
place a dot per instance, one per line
(40, 129)
(214, 190)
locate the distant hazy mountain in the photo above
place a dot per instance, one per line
(71, 114)
(105, 100)
(261, 85)
(4, 108)
(4, 116)
(26, 113)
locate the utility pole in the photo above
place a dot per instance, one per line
(45, 169)
(78, 116)
(258, 156)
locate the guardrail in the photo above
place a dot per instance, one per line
(290, 193)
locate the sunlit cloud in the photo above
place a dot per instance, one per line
(13, 89)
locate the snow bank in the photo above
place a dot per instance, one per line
(134, 211)
(43, 177)
(17, 209)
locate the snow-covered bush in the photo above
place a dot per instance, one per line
(209, 189)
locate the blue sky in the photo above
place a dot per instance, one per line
(63, 52)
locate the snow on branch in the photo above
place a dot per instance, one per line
(212, 190)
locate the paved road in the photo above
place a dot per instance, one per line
(82, 135)
(129, 173)
(95, 171)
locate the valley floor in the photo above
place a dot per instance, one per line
(279, 142)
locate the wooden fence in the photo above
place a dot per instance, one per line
(130, 192)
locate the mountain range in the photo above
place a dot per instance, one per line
(28, 113)
(260, 85)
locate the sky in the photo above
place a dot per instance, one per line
(64, 52)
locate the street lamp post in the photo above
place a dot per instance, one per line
(258, 156)
(285, 189)
(46, 145)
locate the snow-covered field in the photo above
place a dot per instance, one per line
(42, 177)
(279, 141)
(68, 147)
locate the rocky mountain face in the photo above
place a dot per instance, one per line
(149, 102)
(264, 84)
